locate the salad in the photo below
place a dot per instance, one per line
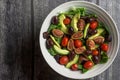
(77, 39)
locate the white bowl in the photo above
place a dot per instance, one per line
(104, 17)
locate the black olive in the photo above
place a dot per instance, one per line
(88, 52)
(90, 19)
(83, 62)
(54, 20)
(71, 30)
(92, 32)
(108, 38)
(57, 57)
(48, 46)
(45, 35)
(84, 17)
(49, 43)
(71, 55)
(95, 59)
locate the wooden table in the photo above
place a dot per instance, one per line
(20, 55)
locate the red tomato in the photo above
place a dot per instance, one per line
(63, 60)
(74, 67)
(88, 65)
(95, 52)
(104, 47)
(66, 21)
(78, 43)
(64, 41)
(93, 24)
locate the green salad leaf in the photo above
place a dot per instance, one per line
(74, 10)
(80, 66)
(84, 70)
(51, 51)
(104, 57)
(51, 27)
(58, 40)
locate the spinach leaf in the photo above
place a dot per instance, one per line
(51, 51)
(104, 57)
(80, 67)
(58, 40)
(84, 70)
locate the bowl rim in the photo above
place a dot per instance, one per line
(115, 26)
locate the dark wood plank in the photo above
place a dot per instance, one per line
(15, 40)
(112, 73)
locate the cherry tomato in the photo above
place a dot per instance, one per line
(104, 47)
(95, 52)
(63, 60)
(88, 65)
(93, 24)
(66, 21)
(74, 67)
(78, 43)
(64, 41)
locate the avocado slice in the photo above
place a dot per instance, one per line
(74, 21)
(73, 61)
(63, 27)
(86, 30)
(54, 41)
(99, 31)
(60, 51)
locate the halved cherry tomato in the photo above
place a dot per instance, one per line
(66, 21)
(88, 65)
(104, 47)
(74, 67)
(78, 43)
(63, 60)
(64, 41)
(95, 52)
(93, 24)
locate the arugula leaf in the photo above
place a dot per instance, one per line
(74, 10)
(51, 27)
(104, 57)
(81, 10)
(91, 15)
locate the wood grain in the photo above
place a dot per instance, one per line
(15, 40)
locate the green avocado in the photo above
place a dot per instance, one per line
(86, 30)
(54, 41)
(73, 61)
(74, 21)
(63, 27)
(60, 51)
(99, 31)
